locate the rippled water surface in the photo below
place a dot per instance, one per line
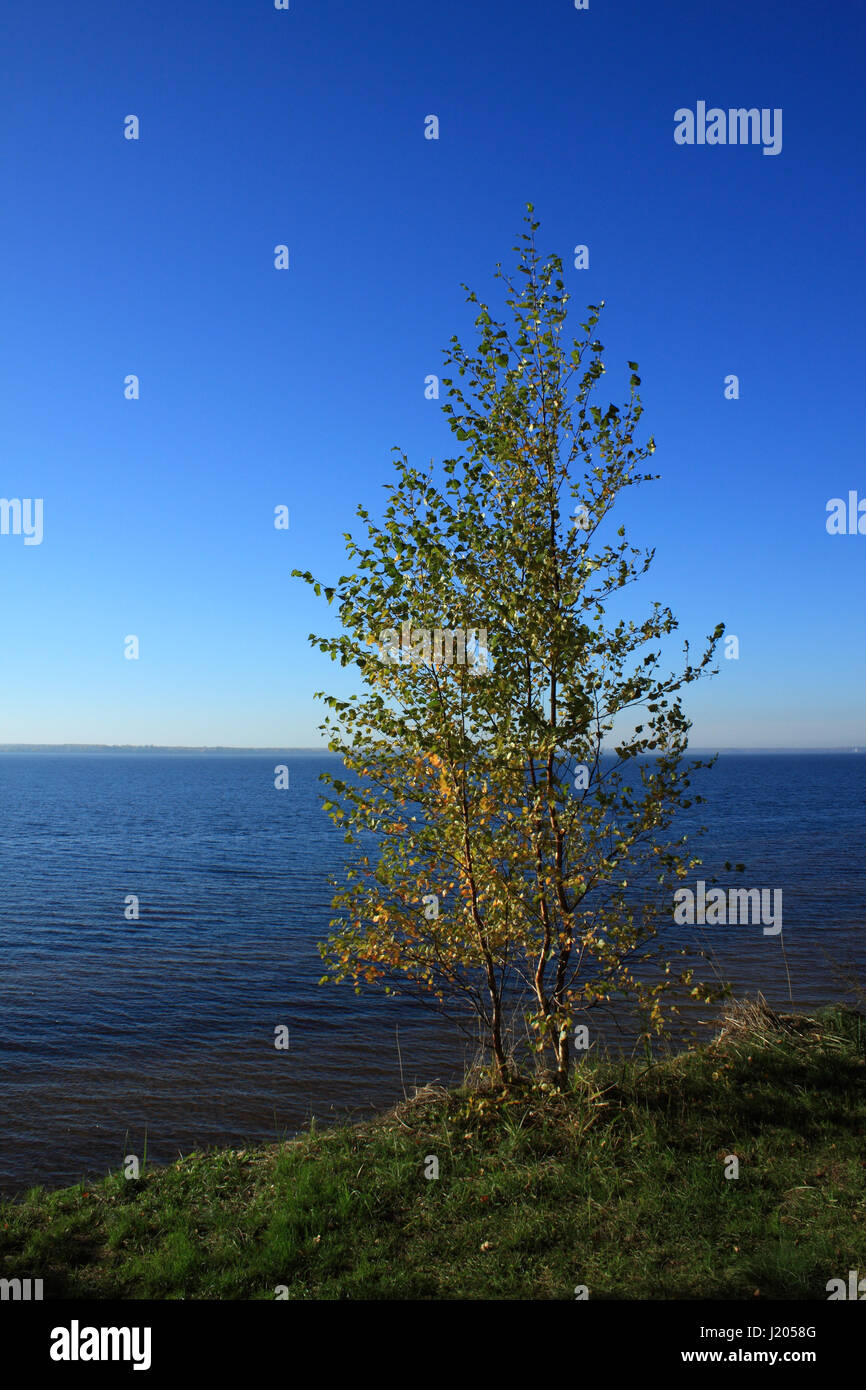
(161, 1030)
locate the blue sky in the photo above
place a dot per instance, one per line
(261, 387)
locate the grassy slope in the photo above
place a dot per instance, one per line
(618, 1184)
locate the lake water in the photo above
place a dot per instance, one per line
(118, 1033)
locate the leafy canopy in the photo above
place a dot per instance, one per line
(512, 814)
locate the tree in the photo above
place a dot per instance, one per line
(513, 853)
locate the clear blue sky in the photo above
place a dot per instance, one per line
(261, 387)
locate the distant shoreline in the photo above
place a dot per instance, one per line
(146, 748)
(284, 748)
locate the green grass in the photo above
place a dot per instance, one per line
(617, 1184)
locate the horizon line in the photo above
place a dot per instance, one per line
(312, 748)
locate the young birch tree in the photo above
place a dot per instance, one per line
(520, 847)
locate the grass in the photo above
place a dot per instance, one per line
(616, 1184)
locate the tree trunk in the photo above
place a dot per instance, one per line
(562, 1049)
(496, 1036)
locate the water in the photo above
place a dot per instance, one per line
(160, 1031)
